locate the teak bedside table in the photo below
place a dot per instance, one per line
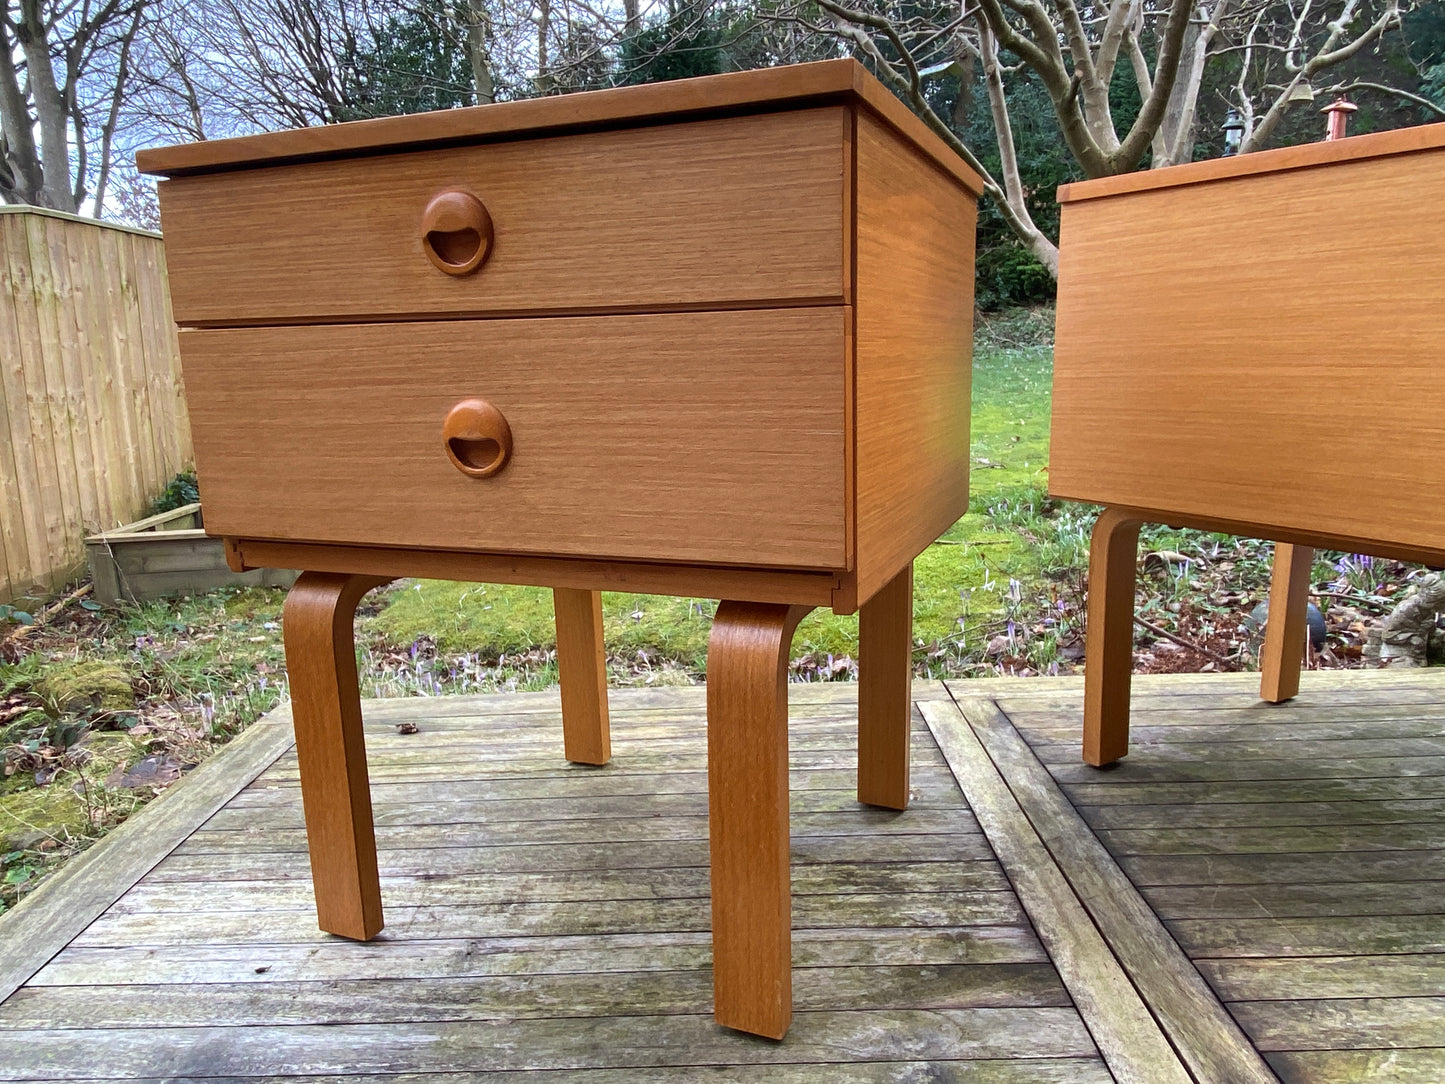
(1204, 312)
(706, 338)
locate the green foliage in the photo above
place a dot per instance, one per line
(413, 67)
(1007, 276)
(60, 701)
(1424, 31)
(1434, 84)
(1010, 423)
(686, 42)
(179, 492)
(84, 685)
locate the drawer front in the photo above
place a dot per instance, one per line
(739, 210)
(713, 438)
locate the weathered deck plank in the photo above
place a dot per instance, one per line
(1130, 1039)
(1208, 1041)
(546, 1044)
(1296, 852)
(519, 997)
(460, 958)
(1026, 1071)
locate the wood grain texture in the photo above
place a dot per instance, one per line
(761, 585)
(791, 86)
(1109, 642)
(524, 996)
(1403, 141)
(1284, 635)
(321, 665)
(1161, 404)
(1131, 1041)
(743, 210)
(1425, 1066)
(836, 1037)
(615, 454)
(747, 740)
(885, 701)
(582, 671)
(913, 341)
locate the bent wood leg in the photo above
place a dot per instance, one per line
(1287, 626)
(885, 693)
(582, 671)
(1109, 646)
(747, 765)
(326, 708)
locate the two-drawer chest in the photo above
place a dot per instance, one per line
(708, 338)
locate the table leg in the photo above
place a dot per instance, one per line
(582, 671)
(331, 751)
(747, 758)
(1287, 625)
(885, 693)
(1109, 645)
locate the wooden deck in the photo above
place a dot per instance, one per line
(1254, 894)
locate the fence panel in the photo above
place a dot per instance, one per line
(93, 419)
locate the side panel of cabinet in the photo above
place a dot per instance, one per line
(914, 337)
(1263, 351)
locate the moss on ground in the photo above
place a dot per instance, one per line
(84, 685)
(1010, 437)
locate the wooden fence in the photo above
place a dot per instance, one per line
(93, 420)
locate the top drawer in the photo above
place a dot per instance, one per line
(745, 210)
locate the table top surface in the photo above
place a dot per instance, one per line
(1426, 137)
(763, 90)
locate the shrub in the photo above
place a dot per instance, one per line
(1008, 275)
(180, 492)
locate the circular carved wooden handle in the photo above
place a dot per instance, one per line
(477, 438)
(456, 232)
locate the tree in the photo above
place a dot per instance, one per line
(65, 67)
(1082, 56)
(413, 63)
(685, 42)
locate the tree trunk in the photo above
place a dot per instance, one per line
(544, 26)
(20, 175)
(479, 24)
(50, 112)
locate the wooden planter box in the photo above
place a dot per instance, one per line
(168, 554)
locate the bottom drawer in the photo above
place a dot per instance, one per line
(711, 438)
